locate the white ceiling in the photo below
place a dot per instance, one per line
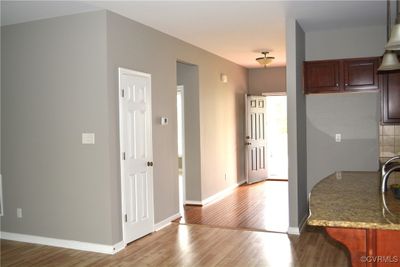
(235, 30)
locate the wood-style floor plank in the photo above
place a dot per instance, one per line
(260, 206)
(250, 206)
(192, 245)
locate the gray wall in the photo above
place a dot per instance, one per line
(265, 80)
(297, 149)
(188, 76)
(346, 43)
(355, 116)
(60, 78)
(54, 88)
(221, 107)
(0, 97)
(222, 125)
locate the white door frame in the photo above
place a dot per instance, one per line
(246, 164)
(181, 88)
(274, 94)
(122, 71)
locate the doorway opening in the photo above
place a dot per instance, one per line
(266, 156)
(277, 147)
(262, 204)
(181, 145)
(188, 135)
(266, 138)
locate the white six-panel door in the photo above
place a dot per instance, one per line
(256, 150)
(136, 154)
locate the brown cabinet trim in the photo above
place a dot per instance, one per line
(385, 105)
(368, 247)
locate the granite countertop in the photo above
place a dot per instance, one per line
(353, 200)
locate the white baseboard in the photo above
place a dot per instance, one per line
(221, 194)
(63, 243)
(214, 197)
(166, 222)
(298, 230)
(119, 246)
(293, 231)
(193, 202)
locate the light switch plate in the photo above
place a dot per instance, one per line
(19, 213)
(224, 78)
(338, 137)
(88, 138)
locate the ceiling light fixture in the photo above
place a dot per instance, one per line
(264, 61)
(390, 60)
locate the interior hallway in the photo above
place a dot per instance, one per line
(191, 245)
(260, 206)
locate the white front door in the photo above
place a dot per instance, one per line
(136, 154)
(256, 138)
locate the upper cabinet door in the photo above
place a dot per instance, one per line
(391, 98)
(360, 74)
(322, 76)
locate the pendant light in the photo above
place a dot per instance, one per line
(390, 60)
(394, 41)
(264, 61)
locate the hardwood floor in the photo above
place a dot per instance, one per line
(251, 206)
(192, 245)
(261, 206)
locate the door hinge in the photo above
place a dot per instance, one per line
(126, 217)
(122, 93)
(123, 155)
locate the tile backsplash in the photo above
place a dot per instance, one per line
(389, 145)
(389, 140)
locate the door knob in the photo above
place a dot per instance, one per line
(150, 164)
(247, 137)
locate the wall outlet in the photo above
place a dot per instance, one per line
(19, 213)
(88, 138)
(339, 175)
(225, 176)
(338, 137)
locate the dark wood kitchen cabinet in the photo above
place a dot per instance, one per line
(390, 98)
(342, 75)
(360, 74)
(322, 76)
